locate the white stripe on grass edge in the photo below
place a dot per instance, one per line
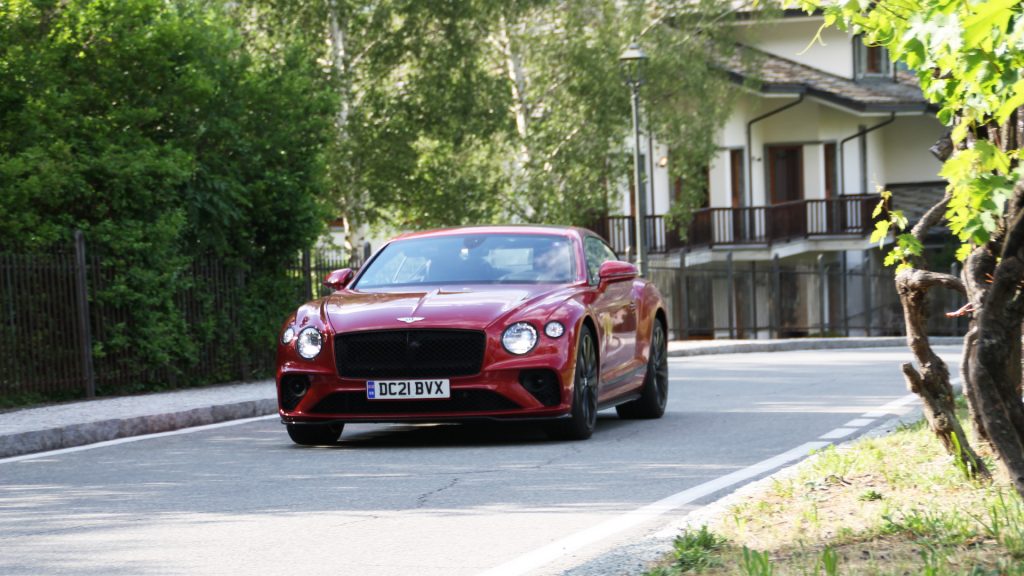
(558, 549)
(897, 407)
(128, 439)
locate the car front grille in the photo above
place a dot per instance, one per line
(409, 353)
(461, 401)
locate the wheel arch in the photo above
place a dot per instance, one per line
(589, 323)
(660, 316)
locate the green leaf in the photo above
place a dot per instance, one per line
(986, 16)
(1015, 101)
(963, 252)
(960, 131)
(881, 206)
(880, 233)
(910, 245)
(898, 219)
(991, 158)
(946, 115)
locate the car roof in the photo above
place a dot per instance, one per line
(525, 229)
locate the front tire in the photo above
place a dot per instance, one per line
(315, 434)
(583, 416)
(654, 395)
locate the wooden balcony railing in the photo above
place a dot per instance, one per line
(758, 225)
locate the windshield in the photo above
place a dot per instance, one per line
(472, 259)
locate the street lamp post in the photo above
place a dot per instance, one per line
(632, 61)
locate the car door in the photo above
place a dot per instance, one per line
(615, 310)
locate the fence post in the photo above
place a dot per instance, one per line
(307, 272)
(731, 283)
(753, 298)
(84, 327)
(774, 316)
(822, 293)
(867, 294)
(684, 293)
(244, 364)
(845, 297)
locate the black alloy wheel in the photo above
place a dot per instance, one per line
(583, 416)
(654, 394)
(315, 434)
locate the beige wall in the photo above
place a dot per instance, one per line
(791, 39)
(895, 154)
(905, 145)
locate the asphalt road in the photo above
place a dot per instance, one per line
(433, 499)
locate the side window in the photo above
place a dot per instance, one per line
(597, 253)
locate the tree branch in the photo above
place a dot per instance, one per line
(932, 217)
(915, 279)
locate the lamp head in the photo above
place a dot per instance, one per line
(632, 60)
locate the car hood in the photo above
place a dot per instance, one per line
(435, 307)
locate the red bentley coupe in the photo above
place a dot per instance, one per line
(491, 322)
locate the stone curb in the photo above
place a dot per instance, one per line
(81, 433)
(713, 346)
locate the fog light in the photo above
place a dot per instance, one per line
(554, 329)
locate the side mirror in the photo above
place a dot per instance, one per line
(339, 278)
(613, 270)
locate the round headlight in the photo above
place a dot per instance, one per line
(310, 343)
(519, 338)
(288, 335)
(554, 329)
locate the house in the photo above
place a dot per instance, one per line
(782, 248)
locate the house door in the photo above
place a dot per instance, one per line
(785, 173)
(786, 184)
(740, 225)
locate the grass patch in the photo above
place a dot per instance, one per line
(879, 506)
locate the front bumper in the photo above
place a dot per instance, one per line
(531, 391)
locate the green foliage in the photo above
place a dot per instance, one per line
(829, 561)
(482, 111)
(1004, 522)
(757, 563)
(695, 550)
(870, 496)
(969, 60)
(166, 135)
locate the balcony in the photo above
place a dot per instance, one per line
(846, 216)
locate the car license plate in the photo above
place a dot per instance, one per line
(407, 389)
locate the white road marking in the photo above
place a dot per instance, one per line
(128, 439)
(558, 549)
(858, 422)
(837, 433)
(898, 407)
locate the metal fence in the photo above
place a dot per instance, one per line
(849, 215)
(64, 332)
(772, 300)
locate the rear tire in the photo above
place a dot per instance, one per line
(654, 395)
(315, 434)
(583, 416)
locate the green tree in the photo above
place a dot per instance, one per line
(455, 112)
(162, 132)
(969, 59)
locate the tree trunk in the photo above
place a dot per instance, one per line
(994, 364)
(978, 266)
(931, 383)
(339, 61)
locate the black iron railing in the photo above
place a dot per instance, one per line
(757, 225)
